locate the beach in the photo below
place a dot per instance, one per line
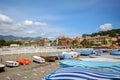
(34, 71)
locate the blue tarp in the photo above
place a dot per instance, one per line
(95, 64)
(82, 73)
(85, 52)
(68, 56)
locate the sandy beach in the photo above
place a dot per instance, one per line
(34, 71)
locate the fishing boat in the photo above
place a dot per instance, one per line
(49, 58)
(38, 59)
(117, 53)
(12, 63)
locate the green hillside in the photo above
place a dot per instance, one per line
(111, 33)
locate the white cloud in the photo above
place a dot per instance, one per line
(31, 23)
(26, 28)
(5, 19)
(31, 32)
(28, 23)
(106, 27)
(40, 24)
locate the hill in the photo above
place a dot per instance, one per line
(11, 37)
(111, 33)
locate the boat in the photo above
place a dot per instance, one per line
(38, 59)
(12, 63)
(85, 52)
(117, 53)
(23, 61)
(55, 55)
(2, 67)
(49, 58)
(70, 54)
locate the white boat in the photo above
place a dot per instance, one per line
(74, 54)
(38, 59)
(12, 63)
(2, 67)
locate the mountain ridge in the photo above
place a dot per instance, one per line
(11, 37)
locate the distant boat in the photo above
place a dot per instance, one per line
(117, 53)
(85, 52)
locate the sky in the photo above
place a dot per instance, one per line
(52, 18)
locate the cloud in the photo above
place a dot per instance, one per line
(5, 19)
(31, 23)
(40, 24)
(106, 27)
(28, 23)
(31, 32)
(27, 28)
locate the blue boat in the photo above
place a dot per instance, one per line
(81, 73)
(85, 52)
(117, 53)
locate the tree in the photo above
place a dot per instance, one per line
(74, 43)
(86, 43)
(2, 43)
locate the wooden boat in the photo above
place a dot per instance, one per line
(49, 58)
(2, 67)
(12, 63)
(58, 56)
(23, 61)
(38, 59)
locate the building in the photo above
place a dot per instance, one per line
(45, 42)
(14, 45)
(102, 40)
(64, 42)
